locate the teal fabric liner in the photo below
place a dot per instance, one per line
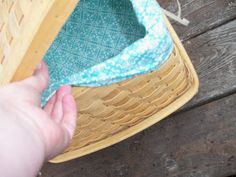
(107, 41)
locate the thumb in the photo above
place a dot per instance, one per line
(39, 80)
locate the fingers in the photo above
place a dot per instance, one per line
(40, 78)
(69, 114)
(57, 112)
(50, 105)
(66, 127)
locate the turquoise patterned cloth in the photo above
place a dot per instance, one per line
(107, 41)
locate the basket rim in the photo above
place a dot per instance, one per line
(179, 102)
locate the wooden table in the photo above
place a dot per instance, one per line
(199, 140)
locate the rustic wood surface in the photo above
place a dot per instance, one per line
(214, 56)
(203, 15)
(210, 40)
(196, 143)
(200, 142)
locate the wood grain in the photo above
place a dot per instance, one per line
(202, 14)
(197, 143)
(49, 27)
(214, 56)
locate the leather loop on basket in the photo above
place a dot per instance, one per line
(178, 17)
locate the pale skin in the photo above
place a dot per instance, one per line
(29, 134)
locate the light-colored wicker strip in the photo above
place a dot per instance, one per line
(11, 17)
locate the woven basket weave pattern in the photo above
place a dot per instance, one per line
(104, 111)
(12, 14)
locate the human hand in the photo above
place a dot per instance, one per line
(43, 133)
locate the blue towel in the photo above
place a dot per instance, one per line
(107, 41)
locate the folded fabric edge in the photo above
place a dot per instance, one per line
(78, 79)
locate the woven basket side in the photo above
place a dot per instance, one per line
(129, 107)
(105, 111)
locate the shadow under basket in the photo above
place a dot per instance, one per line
(110, 114)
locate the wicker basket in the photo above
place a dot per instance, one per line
(27, 28)
(107, 114)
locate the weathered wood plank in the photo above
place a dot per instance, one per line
(197, 143)
(214, 56)
(203, 14)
